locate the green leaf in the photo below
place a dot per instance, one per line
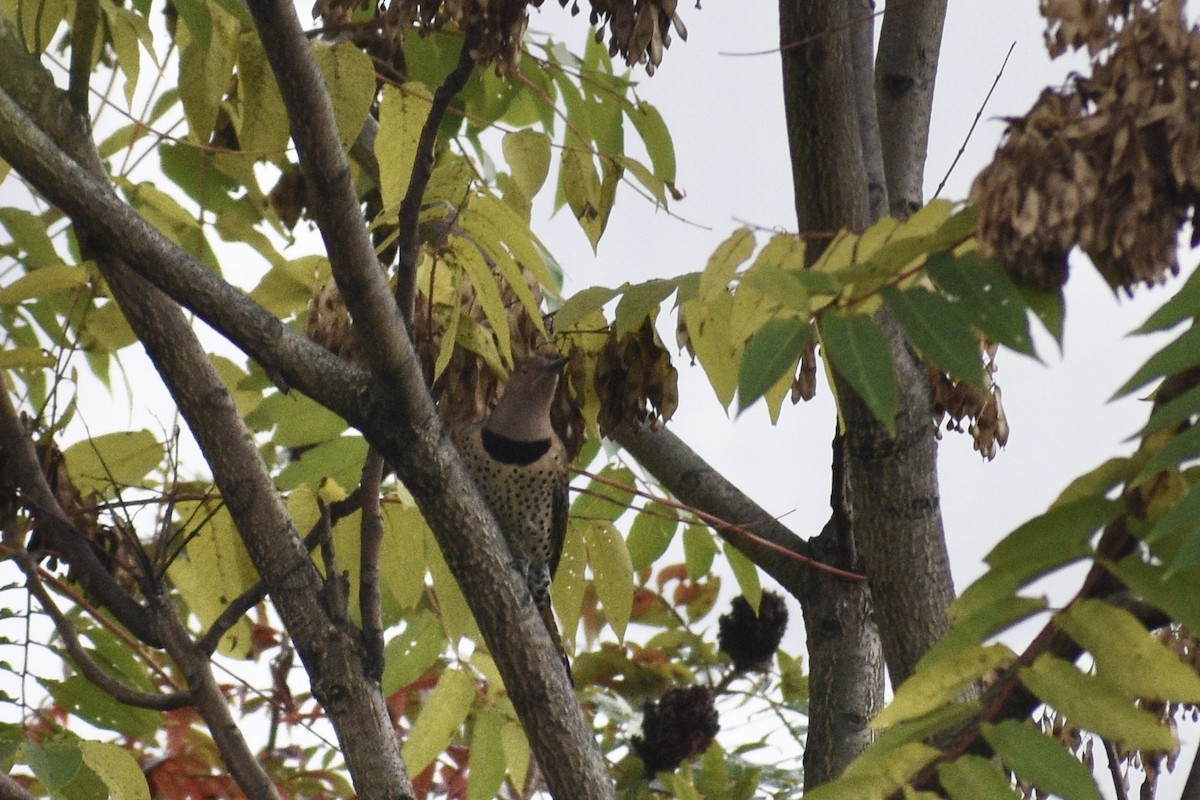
(785, 287)
(206, 59)
(1041, 760)
(82, 698)
(115, 460)
(984, 623)
(1177, 594)
(1177, 410)
(1097, 483)
(18, 357)
(709, 328)
(411, 652)
(570, 583)
(128, 30)
(699, 549)
(455, 613)
(746, 574)
(602, 500)
(55, 763)
(581, 305)
(1184, 305)
(494, 221)
(614, 573)
(770, 355)
(298, 420)
(487, 291)
(858, 352)
(651, 532)
(896, 766)
(528, 155)
(640, 301)
(939, 331)
(1046, 542)
(1179, 355)
(723, 263)
(441, 717)
(642, 174)
(986, 296)
(975, 778)
(1091, 702)
(1127, 655)
(1181, 527)
(487, 756)
(28, 232)
(339, 460)
(1183, 447)
(657, 139)
(117, 768)
(404, 538)
(1049, 306)
(920, 729)
(1054, 535)
(402, 114)
(942, 682)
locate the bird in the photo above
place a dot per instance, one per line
(520, 465)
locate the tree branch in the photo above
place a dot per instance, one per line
(410, 206)
(831, 192)
(910, 40)
(409, 434)
(82, 658)
(11, 790)
(369, 600)
(212, 704)
(248, 599)
(696, 483)
(61, 535)
(400, 421)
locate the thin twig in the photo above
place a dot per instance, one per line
(730, 527)
(83, 660)
(974, 122)
(1114, 769)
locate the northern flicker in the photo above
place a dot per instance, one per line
(520, 466)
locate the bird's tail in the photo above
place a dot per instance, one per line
(552, 627)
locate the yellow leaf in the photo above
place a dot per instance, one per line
(402, 115)
(614, 573)
(214, 570)
(441, 718)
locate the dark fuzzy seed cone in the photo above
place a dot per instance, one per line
(680, 725)
(751, 641)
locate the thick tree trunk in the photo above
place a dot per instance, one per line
(886, 517)
(831, 191)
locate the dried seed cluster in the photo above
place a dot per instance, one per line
(959, 400)
(1111, 162)
(639, 30)
(635, 380)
